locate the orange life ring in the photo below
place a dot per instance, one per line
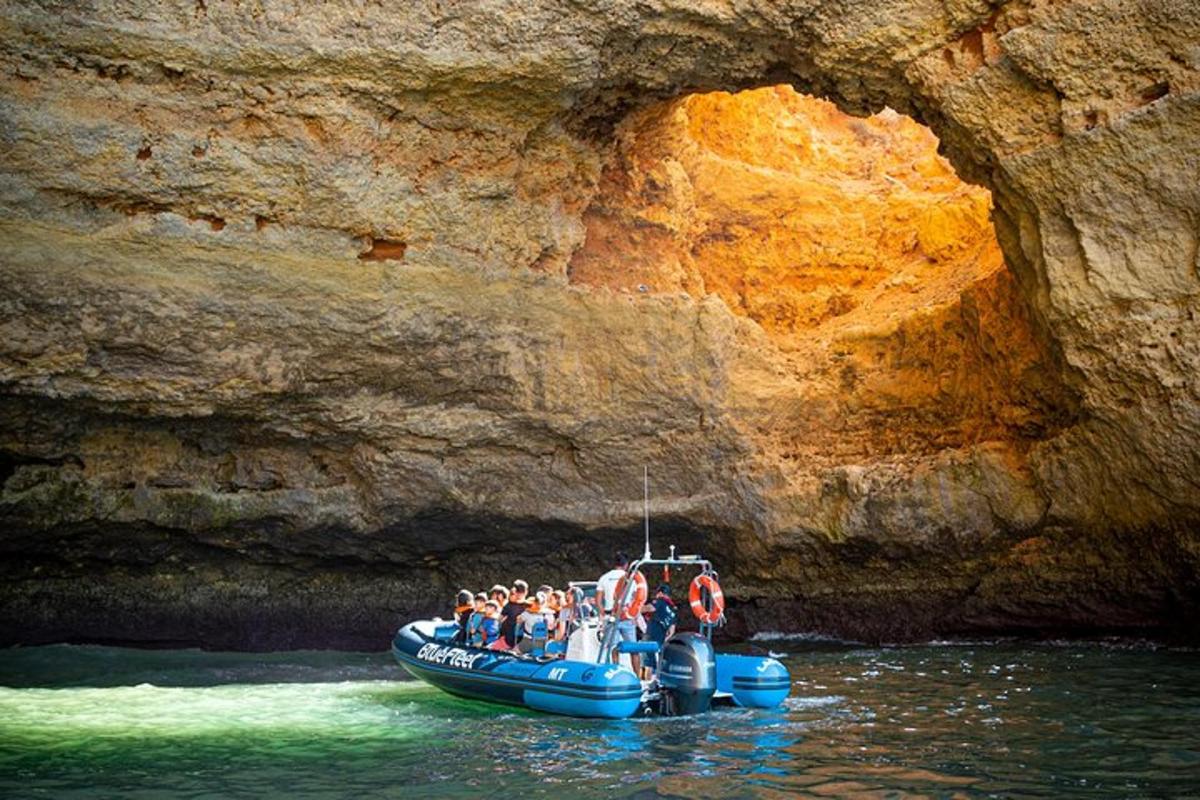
(713, 615)
(641, 591)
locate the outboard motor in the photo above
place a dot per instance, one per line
(687, 674)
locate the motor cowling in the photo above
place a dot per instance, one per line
(687, 674)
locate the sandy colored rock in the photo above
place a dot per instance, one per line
(304, 310)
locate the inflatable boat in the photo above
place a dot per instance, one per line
(592, 678)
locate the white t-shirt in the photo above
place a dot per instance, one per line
(528, 619)
(608, 585)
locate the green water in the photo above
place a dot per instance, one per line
(998, 720)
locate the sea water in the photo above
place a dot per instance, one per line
(939, 720)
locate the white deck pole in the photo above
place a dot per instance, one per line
(646, 506)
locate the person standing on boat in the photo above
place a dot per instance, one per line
(606, 587)
(662, 622)
(606, 596)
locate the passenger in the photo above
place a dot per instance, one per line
(499, 594)
(514, 608)
(528, 620)
(462, 615)
(662, 622)
(571, 614)
(489, 628)
(550, 605)
(474, 621)
(558, 599)
(549, 612)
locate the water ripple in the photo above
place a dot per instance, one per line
(977, 720)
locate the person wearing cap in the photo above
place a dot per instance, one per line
(511, 611)
(661, 625)
(462, 614)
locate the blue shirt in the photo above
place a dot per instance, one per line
(473, 623)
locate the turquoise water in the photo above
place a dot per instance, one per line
(984, 720)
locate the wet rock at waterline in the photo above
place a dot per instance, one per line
(310, 318)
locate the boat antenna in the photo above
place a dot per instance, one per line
(646, 507)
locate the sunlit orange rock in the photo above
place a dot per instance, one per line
(868, 262)
(793, 212)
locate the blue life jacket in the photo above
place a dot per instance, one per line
(490, 630)
(473, 623)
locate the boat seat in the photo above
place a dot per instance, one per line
(539, 640)
(584, 643)
(638, 647)
(556, 648)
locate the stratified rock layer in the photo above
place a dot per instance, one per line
(311, 317)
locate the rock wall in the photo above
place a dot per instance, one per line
(306, 323)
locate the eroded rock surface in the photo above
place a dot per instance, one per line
(312, 316)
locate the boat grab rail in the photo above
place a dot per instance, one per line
(607, 644)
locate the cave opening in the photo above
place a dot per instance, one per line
(869, 267)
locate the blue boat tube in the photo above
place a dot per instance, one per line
(753, 681)
(692, 676)
(427, 651)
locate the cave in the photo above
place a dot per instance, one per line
(898, 304)
(872, 270)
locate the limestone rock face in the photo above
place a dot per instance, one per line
(870, 266)
(312, 315)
